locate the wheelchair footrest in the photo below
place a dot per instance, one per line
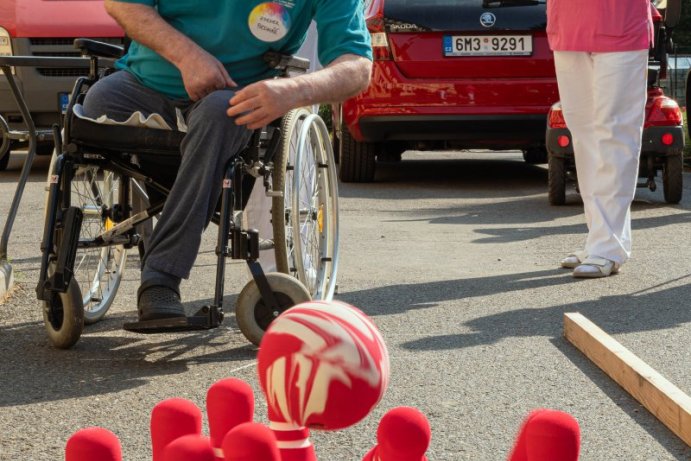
(171, 325)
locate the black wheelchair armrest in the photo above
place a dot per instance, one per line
(90, 47)
(286, 63)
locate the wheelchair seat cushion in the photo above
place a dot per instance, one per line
(136, 136)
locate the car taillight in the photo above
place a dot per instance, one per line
(556, 117)
(380, 42)
(664, 112)
(6, 44)
(563, 141)
(380, 47)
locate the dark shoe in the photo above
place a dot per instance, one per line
(156, 302)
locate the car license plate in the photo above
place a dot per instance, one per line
(63, 101)
(488, 45)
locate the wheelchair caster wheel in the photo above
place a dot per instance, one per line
(63, 316)
(254, 317)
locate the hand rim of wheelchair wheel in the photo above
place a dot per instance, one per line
(314, 133)
(253, 317)
(304, 131)
(64, 332)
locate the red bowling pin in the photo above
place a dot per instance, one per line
(229, 402)
(93, 444)
(293, 441)
(192, 447)
(403, 434)
(171, 419)
(251, 442)
(547, 435)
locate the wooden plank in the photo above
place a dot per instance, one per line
(662, 398)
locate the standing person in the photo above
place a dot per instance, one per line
(203, 59)
(601, 54)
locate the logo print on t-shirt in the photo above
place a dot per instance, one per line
(269, 21)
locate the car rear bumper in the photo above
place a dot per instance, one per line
(487, 131)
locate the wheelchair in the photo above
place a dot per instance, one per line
(104, 190)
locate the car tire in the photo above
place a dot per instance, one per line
(356, 160)
(6, 147)
(4, 160)
(535, 155)
(556, 180)
(673, 178)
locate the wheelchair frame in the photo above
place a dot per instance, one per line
(266, 295)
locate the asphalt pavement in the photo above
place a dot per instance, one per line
(454, 256)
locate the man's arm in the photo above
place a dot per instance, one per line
(201, 72)
(259, 103)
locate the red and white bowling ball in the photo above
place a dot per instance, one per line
(322, 365)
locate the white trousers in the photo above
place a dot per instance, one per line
(603, 99)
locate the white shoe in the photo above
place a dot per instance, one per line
(593, 267)
(573, 260)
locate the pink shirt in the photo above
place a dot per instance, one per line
(599, 25)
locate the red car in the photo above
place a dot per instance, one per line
(450, 74)
(663, 131)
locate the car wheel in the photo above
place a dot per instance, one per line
(356, 162)
(535, 155)
(4, 160)
(672, 178)
(556, 180)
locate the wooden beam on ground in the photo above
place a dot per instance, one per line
(662, 398)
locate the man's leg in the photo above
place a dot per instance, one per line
(212, 140)
(119, 95)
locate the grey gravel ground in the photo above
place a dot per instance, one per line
(454, 256)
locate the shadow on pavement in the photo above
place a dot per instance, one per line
(646, 311)
(103, 362)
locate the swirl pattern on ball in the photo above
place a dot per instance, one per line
(322, 365)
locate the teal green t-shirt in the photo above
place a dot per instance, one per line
(239, 32)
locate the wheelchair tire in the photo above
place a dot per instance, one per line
(97, 271)
(63, 317)
(253, 317)
(306, 241)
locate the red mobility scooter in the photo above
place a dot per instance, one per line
(663, 135)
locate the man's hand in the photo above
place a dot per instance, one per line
(202, 74)
(260, 103)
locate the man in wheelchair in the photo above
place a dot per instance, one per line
(198, 64)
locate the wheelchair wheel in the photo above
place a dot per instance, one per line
(305, 218)
(254, 317)
(63, 316)
(97, 271)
